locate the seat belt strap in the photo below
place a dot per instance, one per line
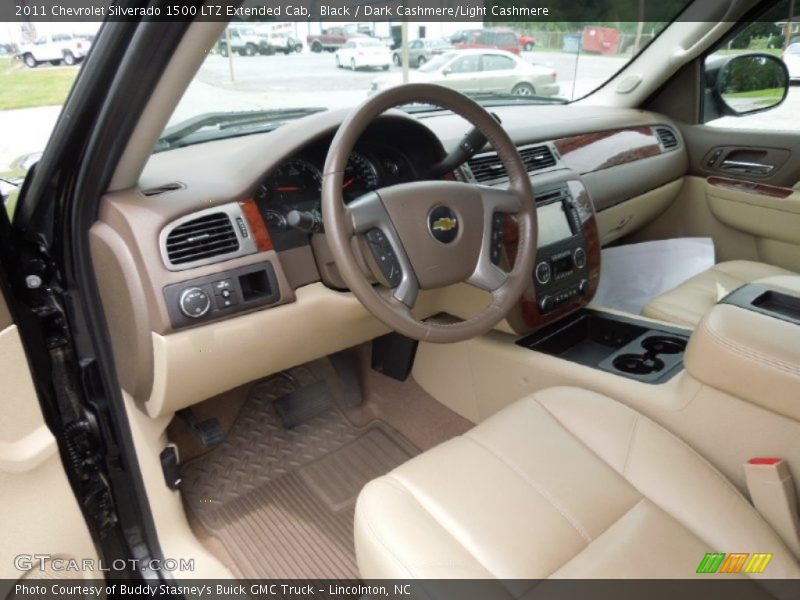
(773, 494)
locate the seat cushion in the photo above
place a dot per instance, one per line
(687, 303)
(565, 483)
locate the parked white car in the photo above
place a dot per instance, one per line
(480, 71)
(791, 57)
(359, 53)
(56, 48)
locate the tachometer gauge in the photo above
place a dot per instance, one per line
(293, 184)
(360, 176)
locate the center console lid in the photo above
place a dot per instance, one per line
(749, 345)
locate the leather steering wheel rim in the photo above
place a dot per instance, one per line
(344, 223)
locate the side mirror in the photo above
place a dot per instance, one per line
(447, 71)
(751, 83)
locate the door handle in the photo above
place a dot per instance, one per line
(744, 166)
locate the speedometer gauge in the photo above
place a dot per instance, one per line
(360, 176)
(293, 184)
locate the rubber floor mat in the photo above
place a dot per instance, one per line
(280, 501)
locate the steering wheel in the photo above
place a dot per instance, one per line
(428, 234)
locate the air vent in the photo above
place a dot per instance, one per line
(537, 158)
(200, 239)
(161, 189)
(488, 167)
(667, 137)
(552, 195)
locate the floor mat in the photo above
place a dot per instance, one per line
(280, 501)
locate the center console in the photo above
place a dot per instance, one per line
(567, 268)
(747, 345)
(561, 274)
(624, 346)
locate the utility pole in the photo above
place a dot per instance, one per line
(787, 32)
(230, 52)
(404, 49)
(639, 29)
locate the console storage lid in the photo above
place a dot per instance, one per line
(749, 345)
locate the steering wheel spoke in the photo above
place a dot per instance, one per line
(369, 218)
(496, 203)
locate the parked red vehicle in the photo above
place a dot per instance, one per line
(527, 41)
(492, 39)
(331, 39)
(602, 40)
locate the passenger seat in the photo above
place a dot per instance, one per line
(686, 304)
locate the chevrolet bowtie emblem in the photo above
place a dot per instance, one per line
(444, 224)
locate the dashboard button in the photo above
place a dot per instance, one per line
(579, 258)
(194, 302)
(543, 272)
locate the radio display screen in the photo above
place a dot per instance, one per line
(553, 224)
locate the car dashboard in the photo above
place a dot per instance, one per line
(205, 257)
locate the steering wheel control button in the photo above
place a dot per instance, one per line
(579, 258)
(194, 302)
(496, 247)
(443, 224)
(543, 272)
(385, 256)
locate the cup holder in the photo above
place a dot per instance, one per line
(664, 344)
(638, 364)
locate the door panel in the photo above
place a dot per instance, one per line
(778, 149)
(40, 514)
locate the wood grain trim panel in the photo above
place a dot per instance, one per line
(605, 149)
(257, 226)
(748, 187)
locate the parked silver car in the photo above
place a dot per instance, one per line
(421, 51)
(480, 71)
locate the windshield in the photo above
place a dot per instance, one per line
(324, 66)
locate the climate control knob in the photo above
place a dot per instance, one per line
(194, 302)
(546, 304)
(543, 272)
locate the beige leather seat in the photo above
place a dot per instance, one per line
(566, 483)
(686, 304)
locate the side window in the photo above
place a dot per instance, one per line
(495, 62)
(416, 44)
(754, 86)
(466, 64)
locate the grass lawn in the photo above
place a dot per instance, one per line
(21, 87)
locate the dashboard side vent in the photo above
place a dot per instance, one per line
(488, 167)
(202, 238)
(161, 189)
(667, 137)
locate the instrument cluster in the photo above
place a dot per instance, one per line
(289, 197)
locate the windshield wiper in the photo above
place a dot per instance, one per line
(216, 125)
(496, 99)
